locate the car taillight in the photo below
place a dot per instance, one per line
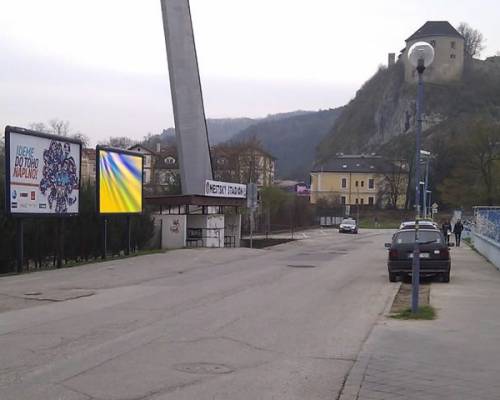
(393, 253)
(445, 253)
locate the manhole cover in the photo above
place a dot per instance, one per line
(301, 266)
(203, 368)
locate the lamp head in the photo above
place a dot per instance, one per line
(421, 55)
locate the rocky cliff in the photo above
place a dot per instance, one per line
(384, 108)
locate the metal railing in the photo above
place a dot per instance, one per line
(197, 237)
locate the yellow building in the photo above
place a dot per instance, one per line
(360, 179)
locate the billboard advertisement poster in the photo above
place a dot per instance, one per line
(119, 181)
(43, 173)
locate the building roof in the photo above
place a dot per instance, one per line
(356, 163)
(435, 28)
(135, 146)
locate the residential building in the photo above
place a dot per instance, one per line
(448, 43)
(166, 176)
(243, 163)
(88, 167)
(149, 156)
(365, 180)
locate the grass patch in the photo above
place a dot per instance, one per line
(364, 224)
(423, 313)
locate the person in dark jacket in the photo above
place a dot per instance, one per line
(446, 228)
(457, 230)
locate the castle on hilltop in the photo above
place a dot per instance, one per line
(449, 56)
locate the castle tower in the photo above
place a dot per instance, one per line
(448, 45)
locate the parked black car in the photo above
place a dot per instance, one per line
(348, 225)
(434, 254)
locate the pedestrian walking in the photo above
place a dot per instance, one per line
(446, 229)
(457, 230)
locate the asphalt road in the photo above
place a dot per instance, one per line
(284, 323)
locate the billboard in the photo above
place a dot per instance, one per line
(42, 173)
(119, 181)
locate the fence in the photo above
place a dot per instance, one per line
(486, 233)
(487, 222)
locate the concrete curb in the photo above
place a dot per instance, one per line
(356, 375)
(354, 381)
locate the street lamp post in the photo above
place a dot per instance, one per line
(420, 55)
(427, 156)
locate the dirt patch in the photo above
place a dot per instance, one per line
(403, 299)
(263, 243)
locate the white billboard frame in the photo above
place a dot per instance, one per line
(9, 132)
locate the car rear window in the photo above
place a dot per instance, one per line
(424, 236)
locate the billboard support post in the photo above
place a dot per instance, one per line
(129, 234)
(20, 245)
(60, 247)
(104, 237)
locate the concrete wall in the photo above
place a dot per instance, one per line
(232, 227)
(189, 115)
(487, 247)
(215, 225)
(448, 62)
(173, 231)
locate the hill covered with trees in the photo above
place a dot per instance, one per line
(292, 140)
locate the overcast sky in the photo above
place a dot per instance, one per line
(101, 64)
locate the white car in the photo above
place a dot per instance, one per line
(348, 225)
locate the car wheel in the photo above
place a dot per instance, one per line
(446, 277)
(392, 277)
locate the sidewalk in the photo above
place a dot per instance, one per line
(457, 356)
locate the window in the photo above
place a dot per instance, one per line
(170, 160)
(362, 183)
(362, 201)
(433, 43)
(344, 183)
(452, 44)
(453, 56)
(342, 200)
(371, 183)
(357, 201)
(357, 183)
(370, 200)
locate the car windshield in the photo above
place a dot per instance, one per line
(348, 222)
(424, 236)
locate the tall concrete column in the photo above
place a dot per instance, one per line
(189, 114)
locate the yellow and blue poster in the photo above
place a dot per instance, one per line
(120, 182)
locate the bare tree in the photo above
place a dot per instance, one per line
(394, 183)
(39, 127)
(59, 127)
(473, 40)
(121, 142)
(82, 138)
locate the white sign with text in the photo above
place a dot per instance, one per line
(225, 189)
